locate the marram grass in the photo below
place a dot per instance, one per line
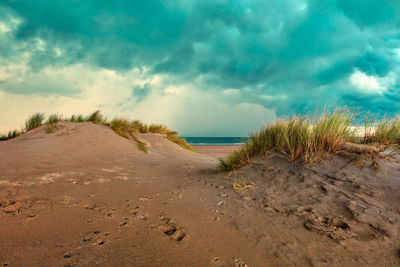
(384, 131)
(54, 119)
(305, 138)
(96, 117)
(77, 118)
(34, 121)
(129, 129)
(10, 135)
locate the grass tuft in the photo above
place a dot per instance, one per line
(96, 117)
(141, 146)
(385, 131)
(75, 118)
(52, 122)
(10, 135)
(173, 137)
(54, 119)
(124, 128)
(128, 129)
(158, 128)
(304, 138)
(34, 121)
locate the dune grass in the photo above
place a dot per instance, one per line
(173, 137)
(34, 121)
(124, 128)
(385, 131)
(96, 117)
(77, 118)
(10, 135)
(158, 128)
(129, 129)
(304, 138)
(52, 121)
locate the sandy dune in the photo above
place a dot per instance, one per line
(84, 196)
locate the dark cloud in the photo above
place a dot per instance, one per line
(304, 51)
(140, 92)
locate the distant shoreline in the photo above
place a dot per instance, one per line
(216, 144)
(216, 141)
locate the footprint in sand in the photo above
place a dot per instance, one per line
(68, 255)
(330, 226)
(124, 222)
(23, 205)
(95, 238)
(171, 229)
(99, 206)
(379, 220)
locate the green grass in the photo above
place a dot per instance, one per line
(10, 135)
(304, 138)
(34, 121)
(96, 117)
(77, 118)
(54, 119)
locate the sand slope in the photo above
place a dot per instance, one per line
(83, 195)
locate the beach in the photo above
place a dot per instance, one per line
(218, 151)
(85, 196)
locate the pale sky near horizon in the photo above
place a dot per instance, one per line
(205, 68)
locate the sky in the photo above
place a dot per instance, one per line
(205, 68)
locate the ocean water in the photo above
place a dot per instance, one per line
(215, 141)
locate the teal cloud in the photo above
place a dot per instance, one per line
(302, 50)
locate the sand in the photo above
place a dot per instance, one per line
(84, 196)
(215, 151)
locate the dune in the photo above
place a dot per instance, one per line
(85, 196)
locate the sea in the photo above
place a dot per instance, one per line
(215, 141)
